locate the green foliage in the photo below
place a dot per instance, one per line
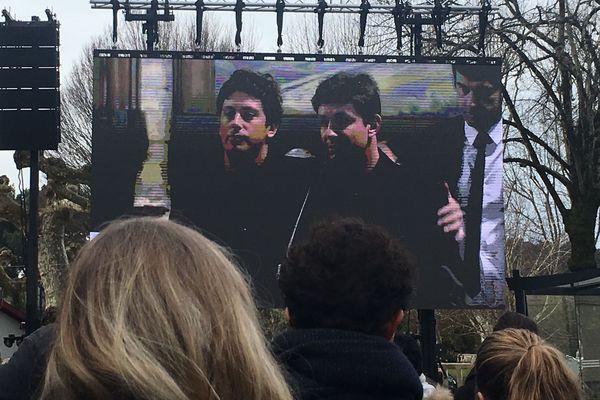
(272, 321)
(11, 238)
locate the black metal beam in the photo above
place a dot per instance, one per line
(33, 318)
(291, 6)
(428, 342)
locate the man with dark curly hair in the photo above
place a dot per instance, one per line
(249, 107)
(346, 290)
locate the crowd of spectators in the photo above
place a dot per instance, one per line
(154, 310)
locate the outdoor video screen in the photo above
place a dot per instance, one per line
(255, 149)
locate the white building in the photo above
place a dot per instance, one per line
(10, 324)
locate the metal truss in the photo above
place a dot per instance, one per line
(151, 12)
(297, 6)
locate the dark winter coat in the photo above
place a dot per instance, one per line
(333, 364)
(21, 378)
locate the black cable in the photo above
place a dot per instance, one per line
(199, 14)
(439, 15)
(399, 12)
(365, 6)
(486, 7)
(23, 217)
(116, 7)
(321, 10)
(239, 8)
(279, 9)
(436, 16)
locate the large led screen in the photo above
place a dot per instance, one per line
(254, 149)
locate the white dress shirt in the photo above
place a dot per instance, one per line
(491, 252)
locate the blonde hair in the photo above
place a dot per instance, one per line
(516, 364)
(154, 310)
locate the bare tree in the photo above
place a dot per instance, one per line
(552, 97)
(340, 34)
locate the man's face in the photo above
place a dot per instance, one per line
(243, 124)
(480, 101)
(343, 131)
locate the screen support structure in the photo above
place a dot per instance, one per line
(33, 318)
(150, 18)
(404, 14)
(427, 327)
(34, 47)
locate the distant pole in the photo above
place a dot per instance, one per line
(520, 298)
(33, 314)
(427, 329)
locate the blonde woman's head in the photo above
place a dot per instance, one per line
(154, 310)
(516, 364)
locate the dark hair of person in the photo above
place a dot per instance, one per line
(348, 275)
(260, 86)
(360, 90)
(411, 349)
(490, 73)
(511, 319)
(516, 364)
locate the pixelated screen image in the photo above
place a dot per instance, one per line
(255, 149)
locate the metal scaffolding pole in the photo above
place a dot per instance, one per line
(404, 14)
(259, 6)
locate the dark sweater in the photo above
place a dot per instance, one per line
(467, 391)
(21, 377)
(334, 364)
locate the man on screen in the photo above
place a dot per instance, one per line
(359, 180)
(349, 111)
(247, 196)
(249, 106)
(479, 96)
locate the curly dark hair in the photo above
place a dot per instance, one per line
(348, 275)
(360, 90)
(261, 86)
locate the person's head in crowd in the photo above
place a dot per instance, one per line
(249, 107)
(516, 364)
(349, 110)
(511, 319)
(479, 92)
(411, 349)
(348, 275)
(154, 310)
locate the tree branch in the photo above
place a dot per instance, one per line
(542, 79)
(539, 141)
(540, 168)
(534, 158)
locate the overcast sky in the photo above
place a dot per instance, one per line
(79, 23)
